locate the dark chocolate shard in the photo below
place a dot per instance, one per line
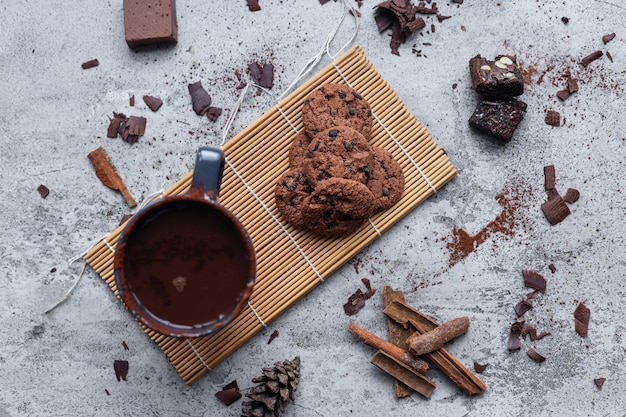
(136, 125)
(213, 113)
(563, 94)
(581, 319)
(553, 118)
(229, 393)
(200, 98)
(153, 103)
(253, 5)
(384, 20)
(552, 268)
(480, 368)
(369, 290)
(536, 356)
(522, 307)
(590, 58)
(355, 303)
(131, 101)
(43, 191)
(121, 369)
(608, 38)
(599, 382)
(262, 74)
(273, 336)
(242, 82)
(531, 332)
(514, 342)
(90, 64)
(549, 175)
(533, 279)
(571, 195)
(124, 345)
(572, 85)
(114, 126)
(422, 9)
(555, 209)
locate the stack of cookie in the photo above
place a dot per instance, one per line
(336, 180)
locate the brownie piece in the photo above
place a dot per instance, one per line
(498, 119)
(150, 22)
(496, 79)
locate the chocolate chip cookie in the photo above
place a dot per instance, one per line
(290, 192)
(386, 181)
(298, 150)
(337, 206)
(336, 105)
(340, 152)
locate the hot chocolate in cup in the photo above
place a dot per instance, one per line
(185, 265)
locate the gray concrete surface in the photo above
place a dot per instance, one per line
(53, 113)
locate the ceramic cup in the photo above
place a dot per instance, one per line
(185, 266)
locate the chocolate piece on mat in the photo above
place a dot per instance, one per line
(498, 119)
(496, 79)
(200, 98)
(150, 22)
(154, 103)
(90, 64)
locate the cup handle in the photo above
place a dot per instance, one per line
(208, 171)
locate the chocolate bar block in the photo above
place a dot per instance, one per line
(498, 119)
(150, 22)
(496, 79)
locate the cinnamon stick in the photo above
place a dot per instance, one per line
(396, 335)
(392, 350)
(401, 372)
(106, 172)
(421, 344)
(407, 316)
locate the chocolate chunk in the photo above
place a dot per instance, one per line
(549, 176)
(43, 191)
(563, 94)
(565, 20)
(253, 5)
(480, 368)
(522, 307)
(121, 369)
(534, 355)
(229, 393)
(571, 195)
(572, 85)
(213, 113)
(355, 303)
(590, 58)
(608, 38)
(514, 341)
(200, 98)
(599, 382)
(581, 319)
(421, 8)
(400, 17)
(369, 290)
(242, 82)
(553, 118)
(499, 79)
(114, 125)
(150, 22)
(555, 209)
(384, 19)
(90, 64)
(273, 336)
(533, 279)
(262, 75)
(131, 101)
(154, 103)
(498, 119)
(124, 345)
(528, 330)
(552, 268)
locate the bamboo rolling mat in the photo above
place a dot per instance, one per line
(291, 262)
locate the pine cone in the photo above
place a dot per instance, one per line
(276, 387)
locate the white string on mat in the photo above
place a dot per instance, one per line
(208, 368)
(258, 316)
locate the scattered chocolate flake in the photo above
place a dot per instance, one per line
(454, 86)
(53, 270)
(522, 307)
(608, 38)
(441, 18)
(357, 300)
(533, 279)
(323, 2)
(136, 126)
(400, 17)
(552, 268)
(114, 124)
(229, 394)
(590, 58)
(563, 94)
(534, 355)
(262, 74)
(571, 195)
(457, 1)
(273, 336)
(565, 20)
(609, 56)
(370, 292)
(106, 391)
(555, 209)
(514, 341)
(121, 369)
(124, 345)
(154, 103)
(572, 85)
(422, 9)
(253, 5)
(213, 113)
(581, 319)
(131, 101)
(553, 118)
(599, 382)
(242, 82)
(200, 98)
(532, 294)
(480, 368)
(549, 175)
(43, 191)
(125, 218)
(530, 331)
(90, 64)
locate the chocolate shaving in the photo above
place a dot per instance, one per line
(590, 58)
(200, 98)
(400, 17)
(549, 176)
(599, 382)
(43, 191)
(115, 124)
(609, 56)
(384, 19)
(121, 369)
(552, 268)
(422, 9)
(441, 18)
(553, 118)
(131, 101)
(213, 113)
(136, 126)
(515, 332)
(572, 85)
(571, 195)
(608, 38)
(555, 209)
(229, 394)
(273, 336)
(124, 345)
(581, 319)
(253, 5)
(370, 292)
(94, 63)
(263, 75)
(357, 300)
(535, 280)
(536, 356)
(522, 307)
(154, 103)
(531, 332)
(479, 368)
(242, 82)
